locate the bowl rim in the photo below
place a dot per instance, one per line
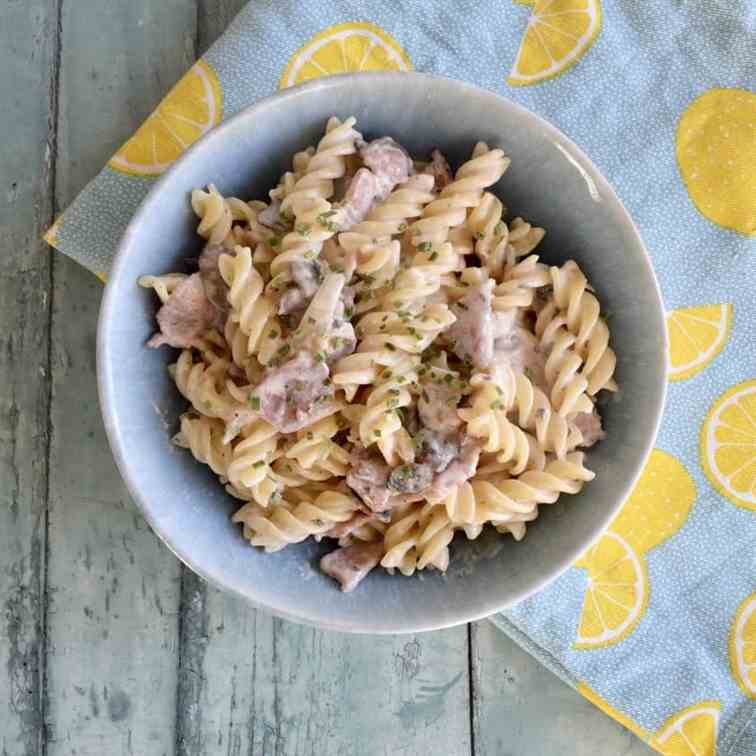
(593, 177)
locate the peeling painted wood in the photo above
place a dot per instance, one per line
(28, 33)
(520, 707)
(113, 588)
(251, 684)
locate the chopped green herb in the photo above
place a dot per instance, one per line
(259, 463)
(449, 378)
(376, 432)
(310, 319)
(303, 229)
(274, 242)
(311, 254)
(283, 350)
(433, 256)
(387, 374)
(400, 379)
(390, 346)
(479, 235)
(394, 391)
(425, 246)
(310, 436)
(254, 401)
(425, 396)
(348, 312)
(273, 334)
(320, 357)
(497, 405)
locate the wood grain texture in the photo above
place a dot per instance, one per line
(520, 707)
(213, 18)
(113, 588)
(252, 684)
(28, 49)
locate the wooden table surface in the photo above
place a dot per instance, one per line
(107, 644)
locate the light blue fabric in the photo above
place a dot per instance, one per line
(621, 102)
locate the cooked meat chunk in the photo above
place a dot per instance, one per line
(589, 425)
(437, 449)
(410, 478)
(437, 406)
(271, 216)
(186, 316)
(306, 277)
(440, 170)
(517, 348)
(389, 162)
(471, 337)
(368, 478)
(295, 394)
(458, 471)
(215, 287)
(358, 199)
(350, 564)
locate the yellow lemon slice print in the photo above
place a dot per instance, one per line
(191, 109)
(716, 152)
(696, 336)
(353, 46)
(659, 504)
(743, 646)
(617, 592)
(690, 732)
(728, 444)
(559, 33)
(616, 595)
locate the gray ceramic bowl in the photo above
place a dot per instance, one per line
(550, 182)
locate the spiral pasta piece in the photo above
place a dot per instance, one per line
(250, 307)
(203, 436)
(390, 393)
(418, 537)
(217, 214)
(204, 386)
(533, 412)
(163, 285)
(283, 524)
(312, 228)
(581, 311)
(324, 166)
(477, 502)
(288, 180)
(315, 449)
(410, 331)
(485, 168)
(486, 419)
(390, 217)
(252, 455)
(485, 225)
(519, 283)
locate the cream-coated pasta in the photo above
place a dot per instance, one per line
(379, 360)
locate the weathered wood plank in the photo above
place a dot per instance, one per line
(114, 589)
(520, 707)
(249, 683)
(252, 684)
(213, 17)
(28, 53)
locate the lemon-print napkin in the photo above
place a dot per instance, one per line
(656, 623)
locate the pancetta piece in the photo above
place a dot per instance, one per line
(350, 564)
(440, 170)
(186, 316)
(294, 395)
(471, 336)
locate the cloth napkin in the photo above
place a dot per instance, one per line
(656, 623)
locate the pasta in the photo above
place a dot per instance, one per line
(375, 357)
